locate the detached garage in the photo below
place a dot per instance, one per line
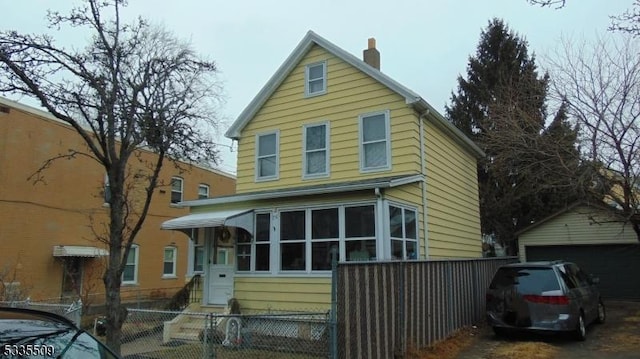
(594, 239)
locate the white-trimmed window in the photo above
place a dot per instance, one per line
(177, 184)
(203, 191)
(130, 273)
(169, 261)
(293, 243)
(315, 150)
(375, 142)
(196, 252)
(360, 233)
(403, 230)
(315, 79)
(257, 249)
(267, 156)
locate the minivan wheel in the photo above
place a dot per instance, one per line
(602, 313)
(581, 329)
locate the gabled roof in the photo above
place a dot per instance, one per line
(569, 208)
(411, 98)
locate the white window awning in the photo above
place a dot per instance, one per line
(242, 218)
(79, 251)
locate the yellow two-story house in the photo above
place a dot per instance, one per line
(333, 153)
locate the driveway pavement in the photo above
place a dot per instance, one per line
(617, 338)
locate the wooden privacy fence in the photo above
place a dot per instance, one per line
(384, 309)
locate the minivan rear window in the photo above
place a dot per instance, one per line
(526, 280)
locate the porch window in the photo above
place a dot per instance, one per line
(292, 241)
(360, 233)
(169, 262)
(403, 232)
(325, 235)
(259, 248)
(130, 273)
(198, 258)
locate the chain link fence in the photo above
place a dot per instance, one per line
(169, 334)
(71, 310)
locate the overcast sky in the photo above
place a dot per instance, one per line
(424, 44)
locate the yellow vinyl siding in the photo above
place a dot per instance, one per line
(283, 293)
(452, 198)
(576, 228)
(350, 93)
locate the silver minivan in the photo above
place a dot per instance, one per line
(554, 296)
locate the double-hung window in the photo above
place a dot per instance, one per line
(315, 150)
(203, 191)
(169, 262)
(315, 79)
(176, 190)
(375, 142)
(267, 156)
(403, 230)
(130, 273)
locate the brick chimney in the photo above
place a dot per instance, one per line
(371, 55)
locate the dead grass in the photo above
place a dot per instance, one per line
(633, 318)
(528, 350)
(625, 340)
(448, 348)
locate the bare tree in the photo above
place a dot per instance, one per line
(600, 83)
(132, 86)
(628, 21)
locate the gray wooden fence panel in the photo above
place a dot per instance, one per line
(387, 308)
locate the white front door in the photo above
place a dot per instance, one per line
(221, 278)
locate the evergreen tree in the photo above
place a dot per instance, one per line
(501, 105)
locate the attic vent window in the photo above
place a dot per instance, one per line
(315, 79)
(4, 109)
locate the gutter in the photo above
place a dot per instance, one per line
(423, 184)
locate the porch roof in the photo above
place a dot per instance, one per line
(383, 182)
(79, 251)
(233, 218)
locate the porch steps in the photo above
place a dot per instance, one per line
(190, 327)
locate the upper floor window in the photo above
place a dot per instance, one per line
(176, 189)
(375, 142)
(130, 272)
(267, 156)
(169, 262)
(315, 77)
(403, 230)
(316, 150)
(203, 191)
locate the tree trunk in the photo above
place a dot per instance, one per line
(116, 313)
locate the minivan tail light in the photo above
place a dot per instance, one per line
(547, 299)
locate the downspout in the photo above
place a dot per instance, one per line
(423, 171)
(380, 236)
